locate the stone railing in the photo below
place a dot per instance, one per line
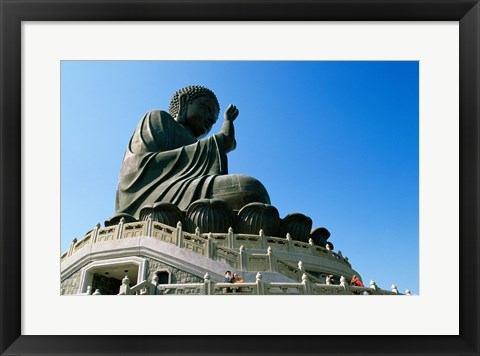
(208, 287)
(215, 246)
(88, 292)
(207, 245)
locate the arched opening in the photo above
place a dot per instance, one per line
(107, 275)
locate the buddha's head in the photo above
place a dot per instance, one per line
(195, 107)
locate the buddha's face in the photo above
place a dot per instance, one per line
(201, 115)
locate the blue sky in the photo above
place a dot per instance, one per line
(336, 141)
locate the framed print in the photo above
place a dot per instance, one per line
(43, 43)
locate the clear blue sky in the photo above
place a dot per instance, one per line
(336, 141)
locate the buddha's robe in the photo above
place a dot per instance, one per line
(165, 162)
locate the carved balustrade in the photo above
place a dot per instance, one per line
(209, 245)
(259, 287)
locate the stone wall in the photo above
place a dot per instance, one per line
(71, 284)
(177, 276)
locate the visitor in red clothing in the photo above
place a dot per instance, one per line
(356, 282)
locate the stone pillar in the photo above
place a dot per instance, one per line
(207, 284)
(179, 235)
(95, 233)
(242, 256)
(230, 238)
(272, 260)
(153, 285)
(149, 225)
(307, 285)
(125, 287)
(394, 289)
(374, 287)
(260, 286)
(210, 246)
(344, 284)
(312, 247)
(97, 292)
(263, 239)
(300, 267)
(290, 243)
(72, 246)
(120, 228)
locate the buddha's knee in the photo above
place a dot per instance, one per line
(239, 190)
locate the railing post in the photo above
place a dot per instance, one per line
(344, 284)
(272, 260)
(89, 290)
(153, 285)
(120, 228)
(300, 266)
(72, 245)
(312, 247)
(394, 289)
(97, 292)
(125, 287)
(407, 292)
(207, 284)
(210, 246)
(242, 256)
(263, 239)
(95, 233)
(230, 238)
(260, 286)
(290, 243)
(374, 287)
(179, 235)
(307, 285)
(149, 225)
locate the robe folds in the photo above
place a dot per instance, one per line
(165, 162)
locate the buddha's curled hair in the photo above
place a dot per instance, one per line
(193, 91)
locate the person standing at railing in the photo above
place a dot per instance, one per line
(228, 279)
(356, 282)
(238, 279)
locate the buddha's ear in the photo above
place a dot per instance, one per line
(182, 108)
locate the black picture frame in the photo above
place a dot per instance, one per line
(13, 12)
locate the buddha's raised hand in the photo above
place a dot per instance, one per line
(228, 130)
(231, 113)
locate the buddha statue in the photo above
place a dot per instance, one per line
(170, 159)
